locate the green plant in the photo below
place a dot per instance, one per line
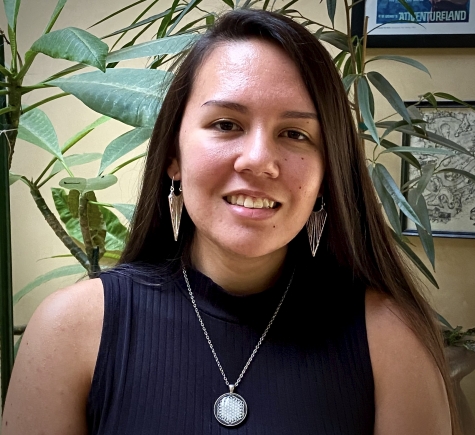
(89, 230)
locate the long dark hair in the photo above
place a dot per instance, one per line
(356, 236)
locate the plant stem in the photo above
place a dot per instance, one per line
(365, 40)
(4, 71)
(127, 162)
(26, 89)
(58, 228)
(30, 57)
(84, 224)
(46, 100)
(6, 110)
(14, 101)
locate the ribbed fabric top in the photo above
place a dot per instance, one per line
(155, 373)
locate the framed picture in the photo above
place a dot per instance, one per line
(450, 196)
(441, 23)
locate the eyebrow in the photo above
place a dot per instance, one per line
(243, 109)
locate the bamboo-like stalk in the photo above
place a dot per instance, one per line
(58, 228)
(86, 232)
(6, 292)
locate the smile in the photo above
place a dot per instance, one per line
(250, 202)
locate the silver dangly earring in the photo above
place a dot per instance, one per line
(176, 207)
(315, 225)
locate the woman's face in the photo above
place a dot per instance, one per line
(250, 151)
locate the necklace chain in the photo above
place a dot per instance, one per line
(253, 354)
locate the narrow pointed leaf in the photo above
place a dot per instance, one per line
(339, 58)
(190, 6)
(230, 3)
(444, 321)
(117, 233)
(419, 150)
(127, 210)
(117, 12)
(419, 205)
(123, 145)
(402, 59)
(331, 9)
(75, 45)
(57, 10)
(364, 103)
(409, 158)
(427, 172)
(74, 269)
(414, 112)
(11, 11)
(415, 259)
(84, 132)
(390, 126)
(429, 96)
(75, 160)
(169, 45)
(348, 81)
(452, 98)
(387, 91)
(16, 348)
(35, 127)
(432, 137)
(408, 8)
(396, 194)
(88, 184)
(336, 39)
(466, 174)
(132, 96)
(387, 202)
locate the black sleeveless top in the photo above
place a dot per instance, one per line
(155, 373)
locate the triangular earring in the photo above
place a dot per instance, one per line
(315, 224)
(176, 207)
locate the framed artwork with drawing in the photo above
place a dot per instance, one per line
(450, 196)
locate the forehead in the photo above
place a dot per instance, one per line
(251, 68)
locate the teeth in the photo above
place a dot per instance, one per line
(250, 202)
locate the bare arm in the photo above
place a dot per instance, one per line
(52, 375)
(410, 395)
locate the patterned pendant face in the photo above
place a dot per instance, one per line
(230, 409)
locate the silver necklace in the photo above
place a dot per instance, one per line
(230, 409)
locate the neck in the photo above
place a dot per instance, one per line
(236, 274)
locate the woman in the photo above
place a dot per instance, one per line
(225, 319)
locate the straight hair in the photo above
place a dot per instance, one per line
(356, 236)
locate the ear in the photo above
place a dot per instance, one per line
(173, 170)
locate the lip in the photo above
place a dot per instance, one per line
(251, 213)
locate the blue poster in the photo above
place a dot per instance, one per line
(426, 11)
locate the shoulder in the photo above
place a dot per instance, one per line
(56, 360)
(410, 396)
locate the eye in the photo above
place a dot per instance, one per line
(294, 134)
(226, 126)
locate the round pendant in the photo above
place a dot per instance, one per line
(230, 409)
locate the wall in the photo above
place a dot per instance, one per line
(34, 242)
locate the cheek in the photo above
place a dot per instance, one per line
(306, 176)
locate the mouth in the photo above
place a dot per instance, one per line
(251, 202)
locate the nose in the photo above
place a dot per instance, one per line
(259, 154)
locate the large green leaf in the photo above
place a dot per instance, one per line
(169, 45)
(419, 205)
(364, 103)
(402, 59)
(35, 127)
(74, 269)
(11, 11)
(132, 96)
(73, 44)
(88, 184)
(387, 202)
(331, 9)
(396, 194)
(387, 91)
(75, 160)
(123, 145)
(61, 203)
(415, 259)
(127, 210)
(57, 10)
(117, 233)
